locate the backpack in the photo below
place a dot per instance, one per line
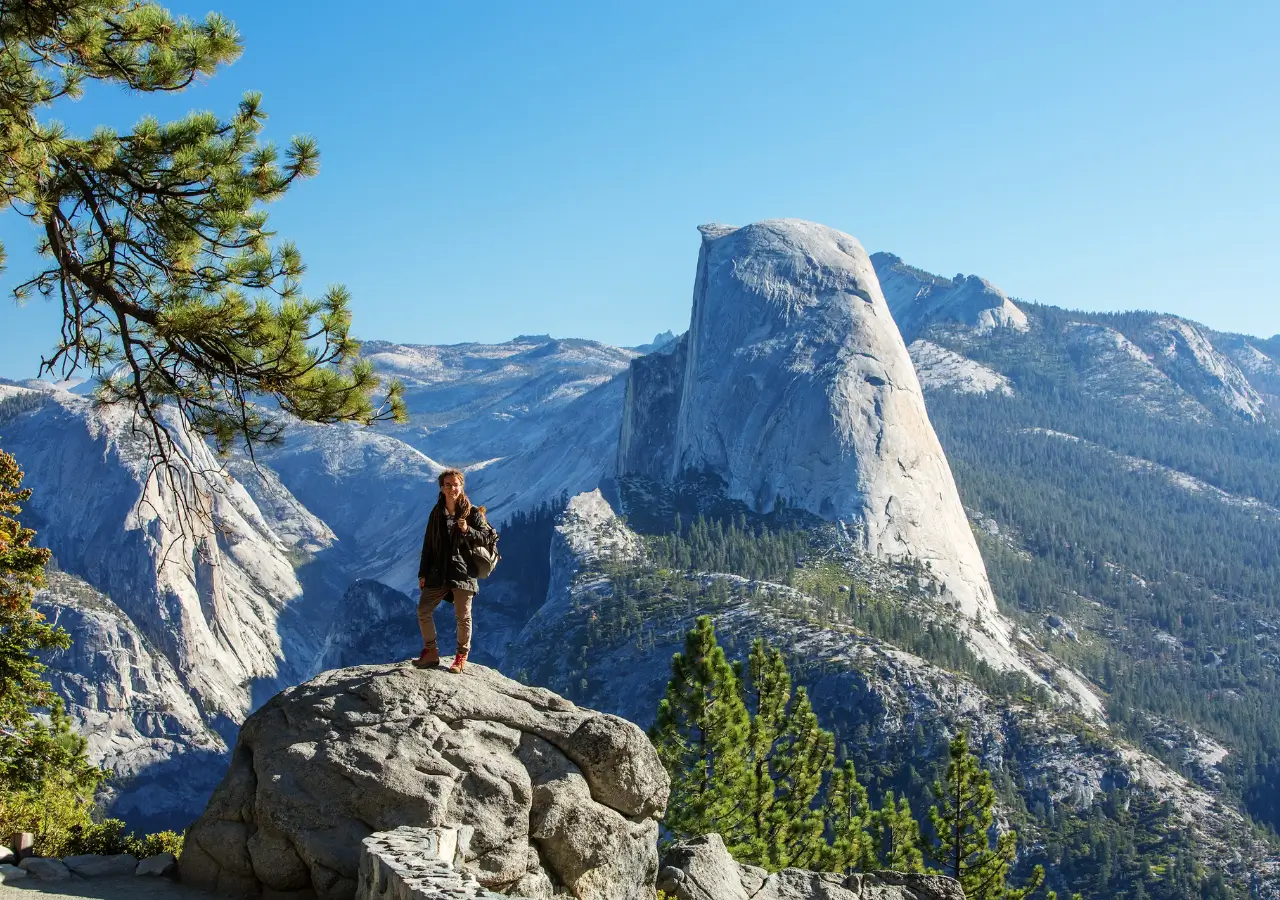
(485, 557)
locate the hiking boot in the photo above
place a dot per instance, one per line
(430, 657)
(459, 663)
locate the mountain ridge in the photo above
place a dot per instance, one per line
(1175, 415)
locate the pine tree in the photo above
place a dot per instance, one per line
(961, 821)
(22, 629)
(159, 250)
(768, 690)
(42, 764)
(802, 758)
(847, 816)
(700, 734)
(896, 836)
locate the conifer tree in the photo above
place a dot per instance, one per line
(768, 690)
(847, 817)
(157, 243)
(961, 821)
(802, 758)
(895, 835)
(700, 734)
(35, 757)
(22, 629)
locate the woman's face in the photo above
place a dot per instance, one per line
(452, 487)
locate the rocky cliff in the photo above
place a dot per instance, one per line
(918, 299)
(123, 694)
(211, 590)
(794, 384)
(1257, 360)
(1186, 353)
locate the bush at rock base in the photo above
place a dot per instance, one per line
(49, 814)
(109, 837)
(61, 821)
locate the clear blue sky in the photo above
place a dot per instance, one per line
(505, 168)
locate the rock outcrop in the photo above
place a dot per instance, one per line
(1184, 351)
(702, 869)
(919, 299)
(1258, 365)
(124, 696)
(557, 797)
(208, 588)
(794, 383)
(941, 369)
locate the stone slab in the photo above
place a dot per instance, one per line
(45, 869)
(93, 865)
(160, 864)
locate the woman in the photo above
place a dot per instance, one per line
(453, 529)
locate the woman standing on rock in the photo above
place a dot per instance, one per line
(454, 528)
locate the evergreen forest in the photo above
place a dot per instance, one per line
(1172, 591)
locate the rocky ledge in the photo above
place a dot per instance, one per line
(558, 799)
(88, 865)
(419, 864)
(702, 869)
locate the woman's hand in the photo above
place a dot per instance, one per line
(422, 584)
(462, 526)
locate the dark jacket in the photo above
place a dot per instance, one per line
(446, 553)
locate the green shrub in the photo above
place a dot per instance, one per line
(160, 842)
(53, 814)
(109, 837)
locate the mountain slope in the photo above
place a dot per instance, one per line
(122, 694)
(182, 622)
(1120, 473)
(1127, 487)
(794, 384)
(918, 299)
(614, 617)
(470, 403)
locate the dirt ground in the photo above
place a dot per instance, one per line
(123, 887)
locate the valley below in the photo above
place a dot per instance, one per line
(952, 510)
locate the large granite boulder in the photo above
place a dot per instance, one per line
(557, 797)
(702, 869)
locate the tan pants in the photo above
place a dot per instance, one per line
(428, 599)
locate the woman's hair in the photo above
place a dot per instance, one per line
(462, 507)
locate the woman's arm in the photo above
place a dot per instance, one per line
(422, 560)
